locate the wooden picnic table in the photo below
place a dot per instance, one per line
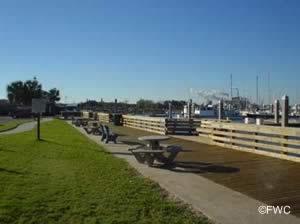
(154, 140)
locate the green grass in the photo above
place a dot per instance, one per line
(13, 124)
(67, 178)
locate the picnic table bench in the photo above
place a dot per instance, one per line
(107, 134)
(93, 127)
(79, 121)
(155, 151)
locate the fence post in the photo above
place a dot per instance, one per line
(231, 137)
(255, 141)
(175, 125)
(166, 126)
(284, 137)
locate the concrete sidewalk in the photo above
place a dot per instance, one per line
(220, 204)
(24, 127)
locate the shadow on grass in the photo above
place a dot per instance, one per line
(69, 145)
(6, 150)
(199, 167)
(10, 171)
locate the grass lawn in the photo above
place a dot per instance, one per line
(67, 178)
(13, 124)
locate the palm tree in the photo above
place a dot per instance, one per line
(53, 97)
(15, 92)
(32, 89)
(21, 93)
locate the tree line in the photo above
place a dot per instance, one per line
(21, 93)
(150, 105)
(140, 107)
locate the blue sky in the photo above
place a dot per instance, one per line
(151, 48)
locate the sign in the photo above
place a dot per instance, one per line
(38, 106)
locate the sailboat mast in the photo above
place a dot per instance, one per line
(231, 86)
(257, 90)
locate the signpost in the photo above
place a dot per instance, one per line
(38, 107)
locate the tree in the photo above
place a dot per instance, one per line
(15, 92)
(32, 89)
(145, 105)
(53, 96)
(21, 93)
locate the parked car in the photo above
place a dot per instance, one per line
(22, 113)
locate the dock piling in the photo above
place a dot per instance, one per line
(190, 109)
(221, 109)
(116, 106)
(170, 110)
(276, 111)
(285, 111)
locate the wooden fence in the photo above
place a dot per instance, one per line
(182, 126)
(104, 117)
(272, 141)
(152, 124)
(162, 126)
(87, 114)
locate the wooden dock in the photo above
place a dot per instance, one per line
(270, 180)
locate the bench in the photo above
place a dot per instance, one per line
(107, 134)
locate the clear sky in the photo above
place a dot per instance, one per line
(155, 49)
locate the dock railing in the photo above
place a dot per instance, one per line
(280, 142)
(87, 114)
(151, 124)
(104, 117)
(181, 126)
(164, 126)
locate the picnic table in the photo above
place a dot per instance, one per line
(154, 140)
(94, 126)
(164, 154)
(78, 121)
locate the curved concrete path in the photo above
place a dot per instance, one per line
(24, 127)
